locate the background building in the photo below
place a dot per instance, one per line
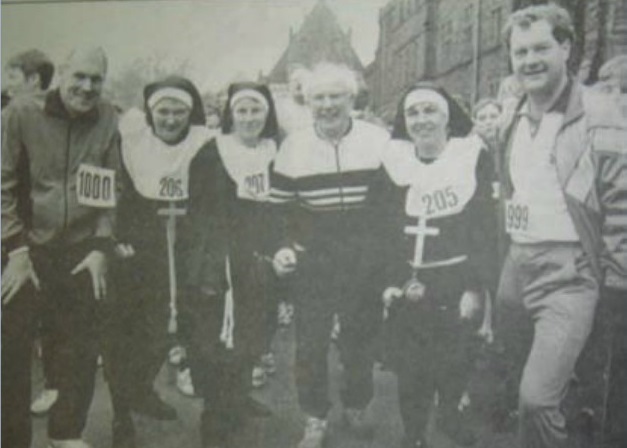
(320, 38)
(458, 43)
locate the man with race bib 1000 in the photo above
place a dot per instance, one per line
(72, 145)
(563, 185)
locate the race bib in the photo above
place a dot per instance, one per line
(433, 203)
(95, 187)
(254, 186)
(171, 188)
(516, 217)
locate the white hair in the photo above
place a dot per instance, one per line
(327, 73)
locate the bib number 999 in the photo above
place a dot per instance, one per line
(516, 217)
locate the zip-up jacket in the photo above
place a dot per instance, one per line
(55, 146)
(326, 187)
(590, 154)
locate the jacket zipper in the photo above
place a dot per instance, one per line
(338, 167)
(66, 179)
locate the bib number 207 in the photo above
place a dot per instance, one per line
(95, 186)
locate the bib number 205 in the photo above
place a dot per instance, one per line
(439, 201)
(95, 187)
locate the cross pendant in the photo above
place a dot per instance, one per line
(421, 231)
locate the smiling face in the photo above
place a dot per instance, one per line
(81, 83)
(426, 125)
(331, 105)
(249, 119)
(538, 59)
(171, 119)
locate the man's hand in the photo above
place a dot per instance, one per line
(469, 305)
(390, 294)
(123, 250)
(18, 271)
(96, 263)
(284, 261)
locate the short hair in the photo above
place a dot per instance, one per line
(329, 72)
(485, 102)
(34, 62)
(559, 19)
(615, 68)
(87, 51)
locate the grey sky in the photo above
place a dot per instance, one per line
(221, 39)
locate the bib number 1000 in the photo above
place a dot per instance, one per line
(95, 186)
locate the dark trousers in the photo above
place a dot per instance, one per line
(135, 335)
(224, 389)
(615, 434)
(221, 376)
(74, 322)
(433, 349)
(135, 332)
(49, 344)
(18, 319)
(326, 284)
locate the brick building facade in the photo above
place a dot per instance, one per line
(438, 40)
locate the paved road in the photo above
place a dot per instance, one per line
(283, 430)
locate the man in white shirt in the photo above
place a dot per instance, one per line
(563, 180)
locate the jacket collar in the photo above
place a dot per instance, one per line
(54, 106)
(572, 100)
(574, 105)
(569, 103)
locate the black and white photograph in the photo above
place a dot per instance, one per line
(314, 223)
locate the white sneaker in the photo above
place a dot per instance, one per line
(260, 377)
(268, 363)
(464, 402)
(286, 314)
(42, 404)
(176, 355)
(73, 443)
(337, 328)
(184, 383)
(315, 433)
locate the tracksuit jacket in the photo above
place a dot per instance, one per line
(591, 160)
(55, 144)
